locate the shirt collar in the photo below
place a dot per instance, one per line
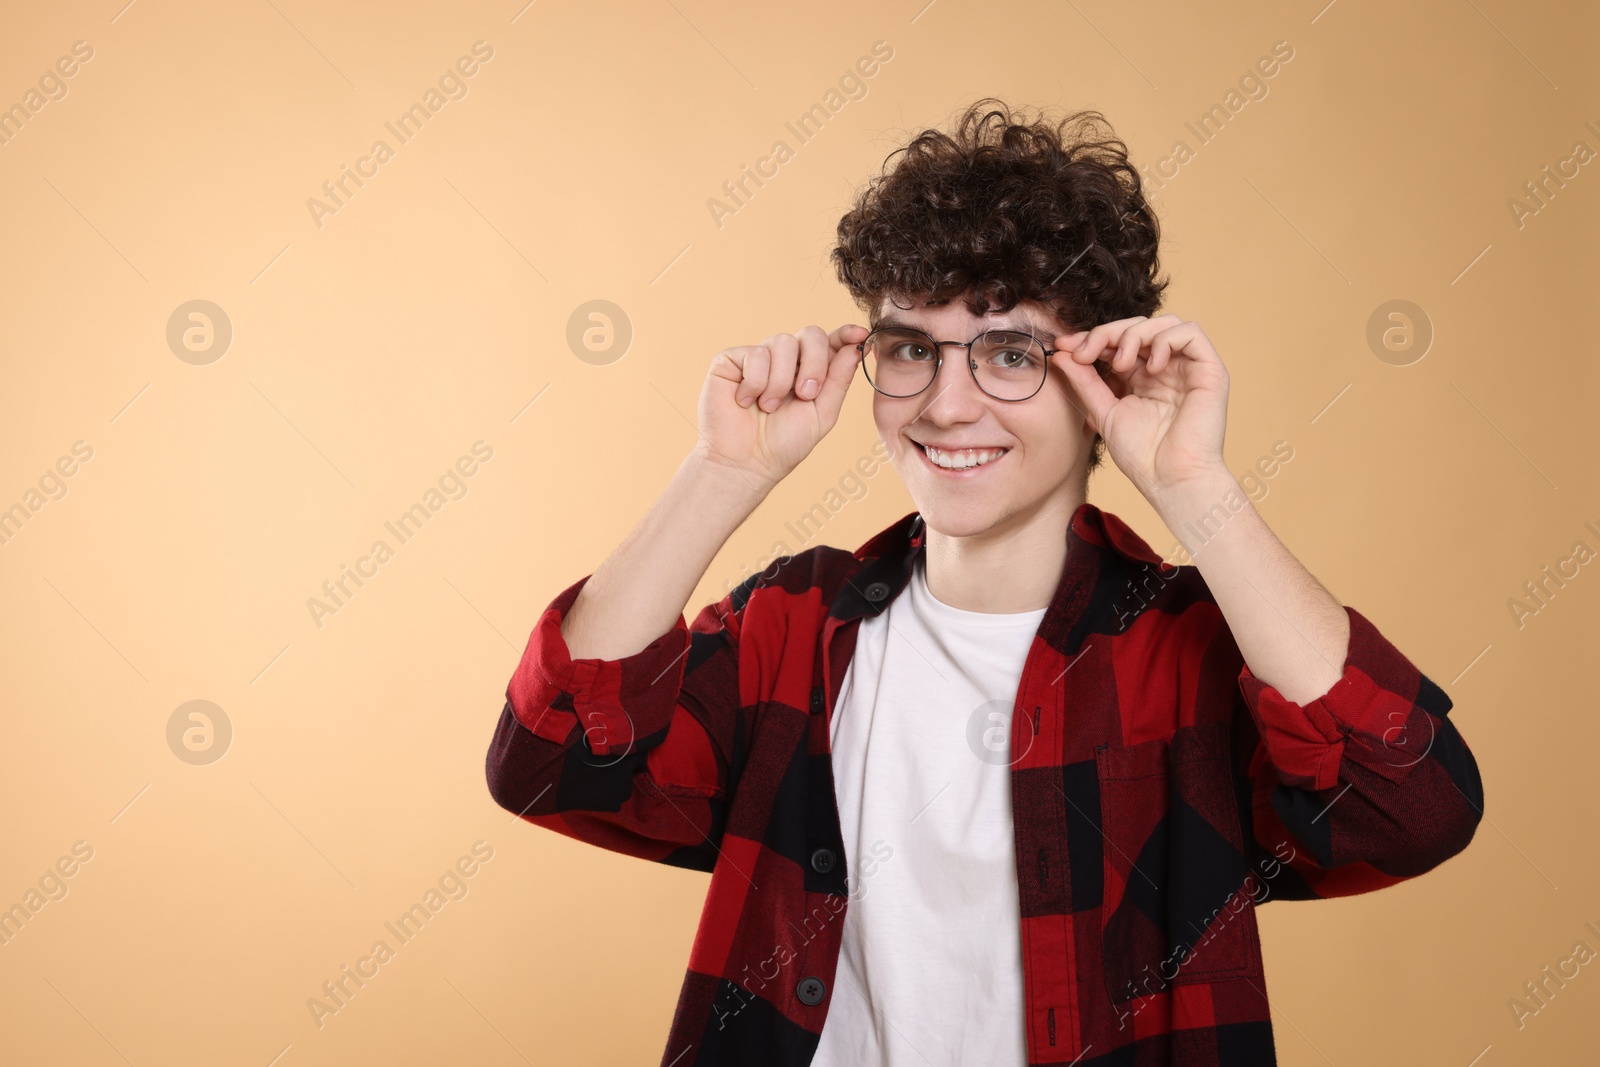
(1096, 540)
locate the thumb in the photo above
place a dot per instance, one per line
(841, 370)
(1095, 398)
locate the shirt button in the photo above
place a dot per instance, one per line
(816, 701)
(877, 591)
(822, 860)
(810, 990)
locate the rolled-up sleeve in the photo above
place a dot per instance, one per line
(614, 701)
(632, 754)
(1366, 785)
(1381, 704)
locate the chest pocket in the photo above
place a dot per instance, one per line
(1177, 905)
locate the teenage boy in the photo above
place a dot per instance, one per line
(1000, 786)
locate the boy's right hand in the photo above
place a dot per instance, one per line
(764, 407)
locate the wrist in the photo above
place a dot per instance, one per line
(1195, 498)
(721, 480)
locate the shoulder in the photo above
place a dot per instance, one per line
(814, 575)
(1155, 595)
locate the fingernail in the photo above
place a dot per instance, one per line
(808, 388)
(744, 401)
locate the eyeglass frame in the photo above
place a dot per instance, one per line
(938, 361)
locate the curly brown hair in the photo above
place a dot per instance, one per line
(1003, 210)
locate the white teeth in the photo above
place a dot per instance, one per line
(963, 459)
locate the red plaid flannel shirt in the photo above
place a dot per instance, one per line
(1161, 792)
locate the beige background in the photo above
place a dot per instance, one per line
(372, 351)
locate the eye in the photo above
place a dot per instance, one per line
(1010, 351)
(910, 351)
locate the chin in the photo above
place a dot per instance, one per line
(961, 518)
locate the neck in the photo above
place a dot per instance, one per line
(1013, 566)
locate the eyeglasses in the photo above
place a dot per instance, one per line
(1007, 364)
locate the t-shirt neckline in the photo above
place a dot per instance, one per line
(962, 616)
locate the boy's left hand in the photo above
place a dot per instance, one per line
(1163, 411)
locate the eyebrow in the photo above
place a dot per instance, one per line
(1019, 326)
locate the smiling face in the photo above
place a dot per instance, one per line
(1027, 457)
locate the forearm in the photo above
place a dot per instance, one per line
(640, 591)
(1292, 632)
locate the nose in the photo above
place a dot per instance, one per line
(953, 395)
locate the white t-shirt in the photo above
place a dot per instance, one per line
(931, 966)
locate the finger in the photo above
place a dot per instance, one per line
(753, 363)
(1114, 337)
(816, 349)
(1128, 350)
(1185, 339)
(1136, 338)
(1117, 383)
(848, 334)
(1160, 351)
(785, 349)
(1095, 397)
(1164, 344)
(1104, 335)
(841, 373)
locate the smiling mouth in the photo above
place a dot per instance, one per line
(963, 459)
